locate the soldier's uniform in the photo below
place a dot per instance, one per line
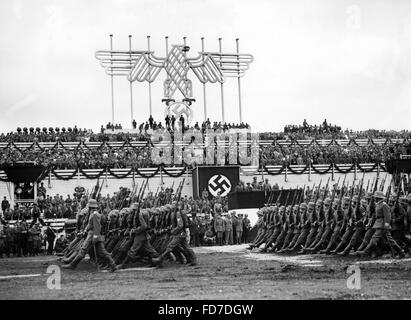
(297, 227)
(291, 222)
(238, 223)
(285, 222)
(140, 239)
(382, 228)
(349, 227)
(22, 235)
(336, 229)
(398, 227)
(275, 227)
(359, 229)
(94, 239)
(228, 228)
(330, 208)
(305, 226)
(2, 241)
(314, 217)
(178, 239)
(219, 229)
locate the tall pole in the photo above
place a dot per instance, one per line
(131, 85)
(149, 81)
(204, 86)
(221, 85)
(185, 62)
(239, 82)
(112, 81)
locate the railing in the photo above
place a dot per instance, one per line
(138, 144)
(175, 172)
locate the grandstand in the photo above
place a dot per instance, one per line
(122, 157)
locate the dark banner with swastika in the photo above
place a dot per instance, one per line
(215, 180)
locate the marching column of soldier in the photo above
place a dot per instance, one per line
(341, 220)
(135, 231)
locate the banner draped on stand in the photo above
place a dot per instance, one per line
(161, 169)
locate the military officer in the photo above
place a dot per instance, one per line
(382, 228)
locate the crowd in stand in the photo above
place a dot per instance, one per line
(314, 154)
(328, 131)
(170, 123)
(85, 158)
(128, 157)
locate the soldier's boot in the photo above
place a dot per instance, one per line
(339, 247)
(191, 258)
(346, 251)
(328, 248)
(303, 250)
(112, 265)
(159, 260)
(172, 257)
(366, 250)
(123, 263)
(181, 259)
(73, 264)
(362, 246)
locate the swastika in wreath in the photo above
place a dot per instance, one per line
(219, 184)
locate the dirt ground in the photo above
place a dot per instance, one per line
(229, 272)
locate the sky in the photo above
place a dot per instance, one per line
(346, 61)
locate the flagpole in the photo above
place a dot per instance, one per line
(239, 82)
(149, 80)
(112, 81)
(221, 84)
(131, 85)
(204, 86)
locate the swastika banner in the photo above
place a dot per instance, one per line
(215, 180)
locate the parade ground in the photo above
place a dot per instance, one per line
(227, 272)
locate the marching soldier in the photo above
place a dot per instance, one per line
(382, 228)
(178, 238)
(359, 229)
(140, 236)
(94, 239)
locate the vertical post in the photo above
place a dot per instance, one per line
(35, 191)
(221, 84)
(149, 81)
(239, 82)
(332, 172)
(355, 171)
(204, 86)
(131, 85)
(185, 63)
(286, 173)
(309, 171)
(112, 82)
(167, 85)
